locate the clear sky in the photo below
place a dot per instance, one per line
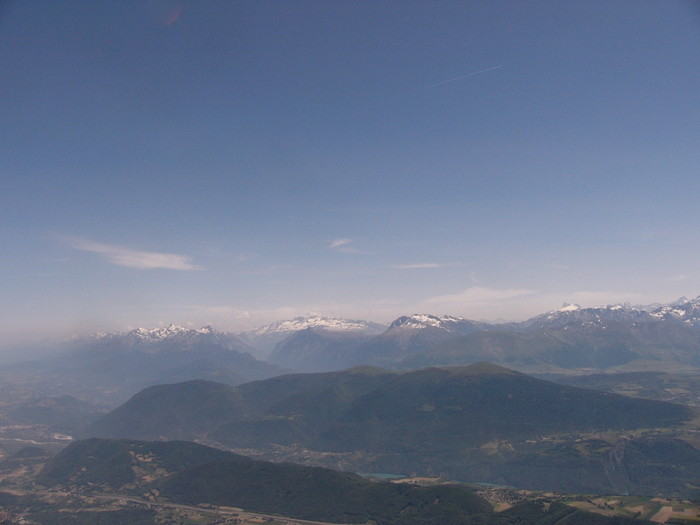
(239, 162)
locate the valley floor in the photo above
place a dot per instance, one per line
(66, 507)
(657, 510)
(59, 507)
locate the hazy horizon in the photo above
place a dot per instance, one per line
(239, 163)
(29, 339)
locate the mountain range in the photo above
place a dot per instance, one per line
(570, 339)
(427, 395)
(108, 368)
(196, 475)
(265, 338)
(476, 423)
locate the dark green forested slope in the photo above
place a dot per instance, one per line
(370, 409)
(477, 423)
(193, 474)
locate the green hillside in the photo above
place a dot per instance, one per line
(450, 409)
(357, 410)
(192, 474)
(118, 463)
(476, 423)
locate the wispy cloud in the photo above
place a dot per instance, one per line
(481, 295)
(134, 258)
(343, 245)
(337, 243)
(420, 266)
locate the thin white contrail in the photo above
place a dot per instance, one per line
(472, 74)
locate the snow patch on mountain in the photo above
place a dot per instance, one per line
(266, 338)
(320, 322)
(686, 311)
(167, 332)
(568, 308)
(598, 316)
(156, 339)
(419, 321)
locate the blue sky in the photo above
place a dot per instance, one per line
(235, 163)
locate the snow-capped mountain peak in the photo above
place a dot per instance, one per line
(568, 307)
(687, 311)
(157, 333)
(446, 324)
(317, 321)
(419, 321)
(680, 301)
(265, 338)
(588, 318)
(151, 335)
(141, 338)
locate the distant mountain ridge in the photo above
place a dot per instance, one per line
(682, 310)
(448, 323)
(154, 338)
(596, 316)
(109, 368)
(687, 312)
(409, 334)
(265, 338)
(619, 337)
(327, 323)
(614, 338)
(318, 350)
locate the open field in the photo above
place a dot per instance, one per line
(658, 510)
(80, 506)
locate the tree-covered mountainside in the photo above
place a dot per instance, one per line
(367, 409)
(193, 474)
(474, 423)
(438, 409)
(116, 463)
